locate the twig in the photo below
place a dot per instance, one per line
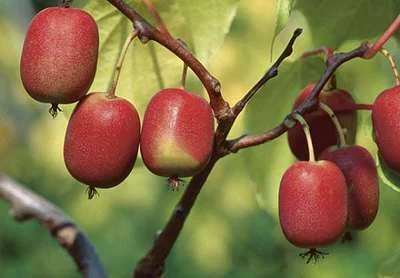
(271, 72)
(26, 205)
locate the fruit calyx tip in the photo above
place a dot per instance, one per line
(54, 109)
(91, 191)
(313, 255)
(174, 182)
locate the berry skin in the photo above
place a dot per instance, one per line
(385, 120)
(313, 204)
(59, 56)
(322, 129)
(177, 134)
(102, 140)
(358, 166)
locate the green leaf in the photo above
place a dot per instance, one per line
(334, 22)
(208, 22)
(148, 67)
(283, 11)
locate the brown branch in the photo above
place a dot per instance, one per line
(26, 205)
(148, 32)
(308, 105)
(152, 265)
(251, 140)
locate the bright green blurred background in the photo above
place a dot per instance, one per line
(233, 229)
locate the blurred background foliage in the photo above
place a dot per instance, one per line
(233, 231)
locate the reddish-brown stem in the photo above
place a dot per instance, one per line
(383, 39)
(361, 106)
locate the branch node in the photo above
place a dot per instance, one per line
(289, 122)
(179, 210)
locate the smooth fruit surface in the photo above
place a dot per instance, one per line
(323, 131)
(59, 55)
(358, 167)
(313, 203)
(102, 140)
(178, 133)
(386, 123)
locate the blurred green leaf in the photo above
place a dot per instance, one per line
(283, 11)
(335, 22)
(208, 21)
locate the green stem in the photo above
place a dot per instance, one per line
(118, 67)
(392, 64)
(335, 120)
(306, 128)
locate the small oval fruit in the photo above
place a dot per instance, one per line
(59, 56)
(102, 140)
(322, 129)
(177, 134)
(313, 203)
(358, 167)
(386, 124)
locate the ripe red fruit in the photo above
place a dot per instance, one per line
(59, 55)
(359, 169)
(385, 120)
(322, 129)
(102, 140)
(177, 134)
(313, 203)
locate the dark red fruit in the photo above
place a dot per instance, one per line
(177, 134)
(386, 123)
(102, 140)
(358, 166)
(322, 129)
(313, 203)
(59, 55)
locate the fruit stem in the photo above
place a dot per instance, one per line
(335, 120)
(118, 67)
(363, 106)
(306, 128)
(392, 64)
(372, 50)
(66, 3)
